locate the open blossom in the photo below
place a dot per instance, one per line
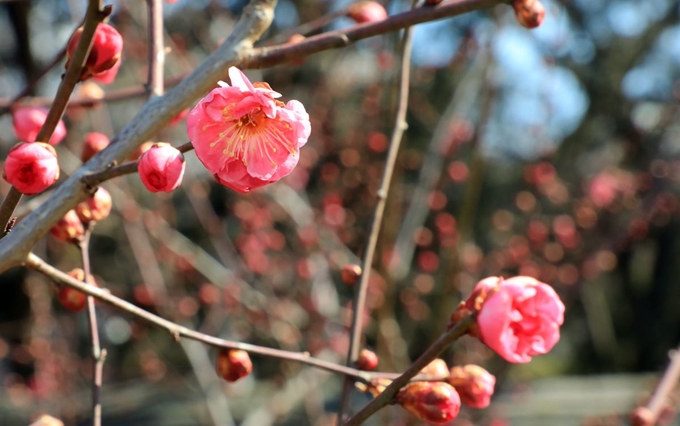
(28, 121)
(105, 53)
(244, 136)
(31, 167)
(520, 317)
(161, 168)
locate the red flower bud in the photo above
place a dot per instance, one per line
(366, 11)
(161, 168)
(350, 274)
(28, 121)
(69, 229)
(233, 364)
(72, 299)
(95, 208)
(474, 385)
(367, 360)
(434, 402)
(93, 143)
(529, 13)
(108, 76)
(31, 167)
(437, 369)
(106, 49)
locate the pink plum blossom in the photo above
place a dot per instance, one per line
(520, 317)
(244, 136)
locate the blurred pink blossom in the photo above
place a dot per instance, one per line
(28, 121)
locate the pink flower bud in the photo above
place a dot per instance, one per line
(434, 402)
(245, 136)
(529, 13)
(28, 121)
(518, 317)
(161, 168)
(233, 364)
(95, 208)
(31, 167)
(366, 11)
(69, 229)
(93, 143)
(367, 360)
(437, 369)
(106, 49)
(474, 385)
(72, 299)
(108, 76)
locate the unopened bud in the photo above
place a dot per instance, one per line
(95, 208)
(69, 229)
(367, 360)
(529, 13)
(366, 11)
(46, 420)
(350, 274)
(642, 416)
(92, 144)
(436, 370)
(434, 402)
(107, 45)
(72, 299)
(233, 364)
(31, 167)
(474, 384)
(161, 168)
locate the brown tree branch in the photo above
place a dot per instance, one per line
(178, 331)
(98, 354)
(155, 86)
(387, 396)
(400, 127)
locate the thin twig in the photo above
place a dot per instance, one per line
(155, 86)
(7, 208)
(94, 15)
(98, 355)
(387, 396)
(177, 331)
(400, 126)
(307, 27)
(659, 399)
